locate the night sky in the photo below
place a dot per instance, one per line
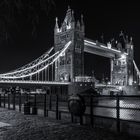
(26, 27)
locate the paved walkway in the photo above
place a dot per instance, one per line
(27, 127)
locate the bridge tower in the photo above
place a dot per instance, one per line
(130, 66)
(122, 68)
(70, 64)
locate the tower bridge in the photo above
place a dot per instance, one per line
(67, 61)
(100, 49)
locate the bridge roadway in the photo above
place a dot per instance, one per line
(25, 83)
(43, 83)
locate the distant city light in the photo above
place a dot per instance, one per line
(123, 56)
(120, 87)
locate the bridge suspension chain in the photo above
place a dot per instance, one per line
(137, 72)
(33, 69)
(38, 70)
(32, 64)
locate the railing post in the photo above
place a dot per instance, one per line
(50, 98)
(26, 96)
(57, 98)
(8, 100)
(45, 104)
(72, 118)
(118, 113)
(0, 100)
(13, 100)
(20, 101)
(34, 106)
(4, 100)
(91, 110)
(35, 100)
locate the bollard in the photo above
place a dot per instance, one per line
(34, 108)
(59, 115)
(81, 120)
(14, 96)
(118, 113)
(20, 101)
(45, 104)
(57, 111)
(50, 99)
(91, 110)
(8, 101)
(27, 108)
(0, 100)
(4, 101)
(72, 118)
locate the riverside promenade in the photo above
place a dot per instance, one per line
(17, 126)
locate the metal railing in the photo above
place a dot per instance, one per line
(119, 108)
